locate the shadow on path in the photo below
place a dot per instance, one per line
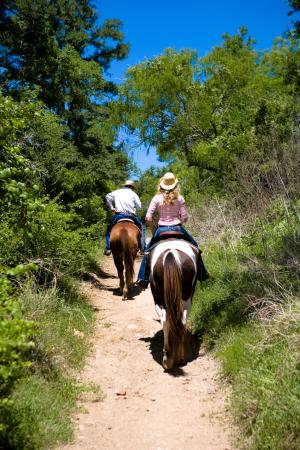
(103, 274)
(156, 343)
(133, 291)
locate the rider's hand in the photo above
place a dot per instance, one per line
(113, 211)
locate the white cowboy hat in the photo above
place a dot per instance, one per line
(168, 181)
(129, 183)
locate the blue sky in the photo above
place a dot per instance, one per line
(152, 26)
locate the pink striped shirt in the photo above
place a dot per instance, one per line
(168, 214)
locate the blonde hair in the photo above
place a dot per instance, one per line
(170, 196)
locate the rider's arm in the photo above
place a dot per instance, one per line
(110, 200)
(152, 207)
(182, 210)
(151, 225)
(137, 201)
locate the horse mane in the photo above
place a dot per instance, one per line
(173, 295)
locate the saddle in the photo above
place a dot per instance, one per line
(170, 235)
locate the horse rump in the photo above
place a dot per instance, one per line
(124, 247)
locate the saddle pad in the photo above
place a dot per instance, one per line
(170, 234)
(195, 249)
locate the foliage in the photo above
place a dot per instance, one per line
(147, 186)
(61, 48)
(59, 322)
(262, 362)
(54, 58)
(249, 313)
(217, 113)
(250, 275)
(295, 5)
(15, 344)
(57, 160)
(154, 96)
(37, 403)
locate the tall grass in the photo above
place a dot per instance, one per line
(262, 361)
(43, 399)
(249, 312)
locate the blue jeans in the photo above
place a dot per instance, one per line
(136, 220)
(144, 271)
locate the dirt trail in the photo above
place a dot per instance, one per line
(145, 408)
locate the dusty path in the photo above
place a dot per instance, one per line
(145, 408)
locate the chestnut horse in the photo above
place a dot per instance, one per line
(173, 279)
(124, 243)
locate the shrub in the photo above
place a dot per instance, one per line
(262, 362)
(15, 345)
(249, 274)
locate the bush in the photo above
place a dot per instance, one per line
(262, 362)
(255, 275)
(40, 414)
(251, 274)
(38, 393)
(57, 246)
(15, 345)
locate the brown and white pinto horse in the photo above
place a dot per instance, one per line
(173, 279)
(124, 243)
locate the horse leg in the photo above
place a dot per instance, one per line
(187, 305)
(118, 260)
(122, 283)
(180, 346)
(129, 270)
(128, 280)
(168, 350)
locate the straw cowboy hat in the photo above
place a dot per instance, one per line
(129, 183)
(168, 181)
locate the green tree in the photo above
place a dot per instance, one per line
(218, 112)
(295, 5)
(154, 97)
(42, 42)
(59, 50)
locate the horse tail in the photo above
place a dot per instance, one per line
(173, 295)
(127, 252)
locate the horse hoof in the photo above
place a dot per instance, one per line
(181, 363)
(167, 363)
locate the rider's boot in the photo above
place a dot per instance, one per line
(202, 272)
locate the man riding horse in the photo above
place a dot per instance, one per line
(124, 203)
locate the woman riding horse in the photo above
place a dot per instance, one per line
(172, 213)
(175, 264)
